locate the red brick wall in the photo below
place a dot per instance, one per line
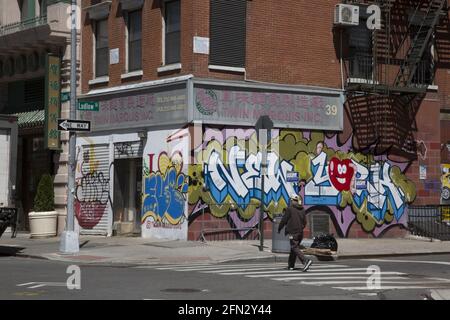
(428, 190)
(280, 38)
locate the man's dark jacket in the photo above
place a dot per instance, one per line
(295, 220)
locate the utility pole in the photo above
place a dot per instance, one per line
(69, 238)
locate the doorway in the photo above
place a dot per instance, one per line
(127, 196)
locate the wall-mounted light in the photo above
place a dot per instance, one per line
(142, 135)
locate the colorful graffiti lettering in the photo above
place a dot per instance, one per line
(227, 176)
(241, 179)
(165, 189)
(350, 182)
(373, 191)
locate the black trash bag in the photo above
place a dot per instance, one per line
(325, 241)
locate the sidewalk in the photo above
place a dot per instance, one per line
(139, 251)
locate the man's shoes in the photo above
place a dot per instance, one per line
(290, 268)
(307, 265)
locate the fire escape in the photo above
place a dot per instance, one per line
(393, 76)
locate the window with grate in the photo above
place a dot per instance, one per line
(135, 40)
(34, 92)
(424, 74)
(101, 48)
(320, 223)
(172, 32)
(228, 32)
(360, 51)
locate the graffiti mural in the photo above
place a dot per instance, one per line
(92, 192)
(369, 190)
(226, 176)
(165, 186)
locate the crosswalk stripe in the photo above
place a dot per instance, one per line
(288, 273)
(25, 284)
(196, 268)
(275, 277)
(384, 288)
(224, 267)
(248, 271)
(321, 277)
(238, 267)
(215, 268)
(210, 265)
(37, 286)
(363, 282)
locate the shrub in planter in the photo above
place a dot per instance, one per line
(43, 219)
(45, 195)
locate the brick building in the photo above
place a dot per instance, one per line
(174, 88)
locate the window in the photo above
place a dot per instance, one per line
(360, 51)
(424, 74)
(43, 7)
(101, 48)
(134, 40)
(228, 33)
(172, 32)
(27, 9)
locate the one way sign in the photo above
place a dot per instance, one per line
(73, 125)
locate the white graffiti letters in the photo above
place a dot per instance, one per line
(375, 184)
(241, 179)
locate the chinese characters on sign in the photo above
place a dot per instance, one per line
(308, 110)
(52, 103)
(137, 110)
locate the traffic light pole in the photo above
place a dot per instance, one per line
(69, 238)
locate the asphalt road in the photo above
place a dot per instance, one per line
(408, 278)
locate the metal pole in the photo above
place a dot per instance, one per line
(69, 239)
(263, 146)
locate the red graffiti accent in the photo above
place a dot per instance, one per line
(341, 173)
(89, 213)
(150, 163)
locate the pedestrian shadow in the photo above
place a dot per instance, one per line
(7, 251)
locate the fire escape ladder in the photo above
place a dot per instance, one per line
(419, 44)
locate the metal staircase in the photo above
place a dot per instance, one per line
(420, 42)
(382, 109)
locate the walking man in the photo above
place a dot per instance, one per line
(295, 220)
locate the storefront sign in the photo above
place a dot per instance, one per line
(52, 102)
(138, 110)
(287, 110)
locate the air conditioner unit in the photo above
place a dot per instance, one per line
(346, 15)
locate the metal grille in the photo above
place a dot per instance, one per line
(429, 221)
(320, 224)
(94, 195)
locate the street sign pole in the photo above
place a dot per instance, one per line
(263, 146)
(263, 124)
(69, 239)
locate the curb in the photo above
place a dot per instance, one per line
(30, 256)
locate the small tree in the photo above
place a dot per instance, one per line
(45, 195)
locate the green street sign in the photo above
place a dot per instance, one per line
(88, 106)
